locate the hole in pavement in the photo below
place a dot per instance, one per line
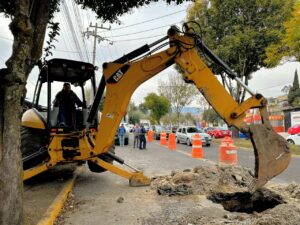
(246, 202)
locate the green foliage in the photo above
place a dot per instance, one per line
(238, 31)
(54, 31)
(143, 108)
(158, 105)
(134, 114)
(294, 91)
(178, 92)
(210, 116)
(289, 42)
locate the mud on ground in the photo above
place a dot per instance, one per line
(225, 198)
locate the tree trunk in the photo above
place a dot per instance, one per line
(29, 32)
(11, 182)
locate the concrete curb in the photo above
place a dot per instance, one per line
(55, 208)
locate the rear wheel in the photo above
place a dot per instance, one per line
(291, 141)
(32, 140)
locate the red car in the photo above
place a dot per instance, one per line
(218, 132)
(294, 129)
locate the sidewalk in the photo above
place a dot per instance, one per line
(40, 192)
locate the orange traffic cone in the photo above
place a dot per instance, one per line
(228, 152)
(150, 136)
(172, 141)
(163, 138)
(197, 150)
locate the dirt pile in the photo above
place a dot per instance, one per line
(225, 199)
(203, 180)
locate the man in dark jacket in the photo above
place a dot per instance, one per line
(142, 138)
(66, 100)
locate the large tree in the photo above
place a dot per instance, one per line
(158, 106)
(29, 22)
(288, 44)
(239, 31)
(294, 92)
(178, 92)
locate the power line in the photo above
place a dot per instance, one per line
(5, 38)
(142, 38)
(66, 10)
(142, 31)
(2, 59)
(146, 21)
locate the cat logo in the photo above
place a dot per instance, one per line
(117, 76)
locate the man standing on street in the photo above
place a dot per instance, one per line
(121, 134)
(142, 138)
(136, 133)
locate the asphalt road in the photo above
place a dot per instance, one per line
(246, 159)
(96, 195)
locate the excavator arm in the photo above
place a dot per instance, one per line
(124, 75)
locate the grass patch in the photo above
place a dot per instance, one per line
(247, 144)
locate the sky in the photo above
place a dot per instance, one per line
(141, 26)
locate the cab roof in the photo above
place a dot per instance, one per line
(66, 70)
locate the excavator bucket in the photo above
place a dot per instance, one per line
(272, 154)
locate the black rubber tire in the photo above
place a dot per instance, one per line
(207, 145)
(291, 141)
(98, 169)
(31, 141)
(188, 142)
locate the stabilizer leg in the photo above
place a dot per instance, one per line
(136, 179)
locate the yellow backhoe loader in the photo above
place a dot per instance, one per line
(45, 144)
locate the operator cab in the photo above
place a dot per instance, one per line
(53, 74)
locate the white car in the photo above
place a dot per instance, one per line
(185, 135)
(294, 139)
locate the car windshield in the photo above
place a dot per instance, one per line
(192, 130)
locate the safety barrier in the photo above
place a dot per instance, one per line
(197, 150)
(163, 138)
(228, 152)
(150, 136)
(172, 141)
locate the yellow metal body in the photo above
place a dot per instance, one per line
(31, 119)
(118, 95)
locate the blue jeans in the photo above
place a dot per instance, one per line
(121, 140)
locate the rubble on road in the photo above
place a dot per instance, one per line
(203, 180)
(226, 186)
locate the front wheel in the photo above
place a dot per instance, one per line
(188, 142)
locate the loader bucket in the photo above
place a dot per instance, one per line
(272, 154)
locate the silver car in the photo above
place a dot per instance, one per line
(185, 135)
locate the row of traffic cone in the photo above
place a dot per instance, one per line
(228, 151)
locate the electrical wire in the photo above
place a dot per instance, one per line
(150, 20)
(143, 31)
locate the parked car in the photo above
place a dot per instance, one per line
(294, 129)
(294, 139)
(218, 132)
(157, 129)
(185, 135)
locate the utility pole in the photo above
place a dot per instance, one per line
(96, 36)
